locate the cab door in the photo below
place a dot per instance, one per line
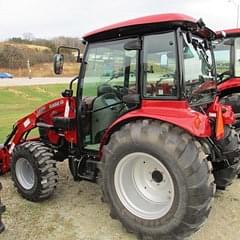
(110, 74)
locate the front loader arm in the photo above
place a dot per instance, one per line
(21, 127)
(44, 114)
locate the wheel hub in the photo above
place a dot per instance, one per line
(25, 173)
(157, 176)
(144, 185)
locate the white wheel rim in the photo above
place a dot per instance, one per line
(25, 173)
(144, 186)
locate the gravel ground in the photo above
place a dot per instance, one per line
(75, 212)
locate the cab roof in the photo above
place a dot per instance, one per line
(147, 24)
(234, 32)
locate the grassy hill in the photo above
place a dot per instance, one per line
(24, 46)
(14, 58)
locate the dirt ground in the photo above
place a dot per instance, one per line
(75, 212)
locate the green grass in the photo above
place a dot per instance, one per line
(16, 102)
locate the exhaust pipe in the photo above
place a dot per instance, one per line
(2, 210)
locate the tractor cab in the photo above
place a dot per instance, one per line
(155, 59)
(227, 55)
(109, 86)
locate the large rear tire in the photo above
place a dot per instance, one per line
(225, 172)
(34, 171)
(157, 180)
(233, 99)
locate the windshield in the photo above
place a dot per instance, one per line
(198, 68)
(222, 54)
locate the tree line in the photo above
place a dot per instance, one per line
(15, 53)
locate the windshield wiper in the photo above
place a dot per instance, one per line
(201, 52)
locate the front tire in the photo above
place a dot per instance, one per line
(157, 180)
(34, 171)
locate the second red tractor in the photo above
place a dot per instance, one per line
(227, 55)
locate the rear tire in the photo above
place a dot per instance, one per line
(234, 100)
(34, 171)
(169, 154)
(225, 173)
(225, 177)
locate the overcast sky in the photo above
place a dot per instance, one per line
(50, 18)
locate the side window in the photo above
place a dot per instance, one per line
(237, 57)
(160, 65)
(196, 60)
(110, 67)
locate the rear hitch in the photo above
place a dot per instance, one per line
(2, 210)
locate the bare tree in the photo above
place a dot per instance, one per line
(28, 36)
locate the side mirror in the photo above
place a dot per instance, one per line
(189, 37)
(133, 45)
(206, 44)
(58, 61)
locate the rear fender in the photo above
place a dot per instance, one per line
(177, 113)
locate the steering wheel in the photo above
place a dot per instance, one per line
(221, 75)
(167, 75)
(120, 90)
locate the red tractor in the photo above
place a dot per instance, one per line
(145, 123)
(227, 56)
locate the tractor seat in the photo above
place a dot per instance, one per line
(102, 89)
(88, 102)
